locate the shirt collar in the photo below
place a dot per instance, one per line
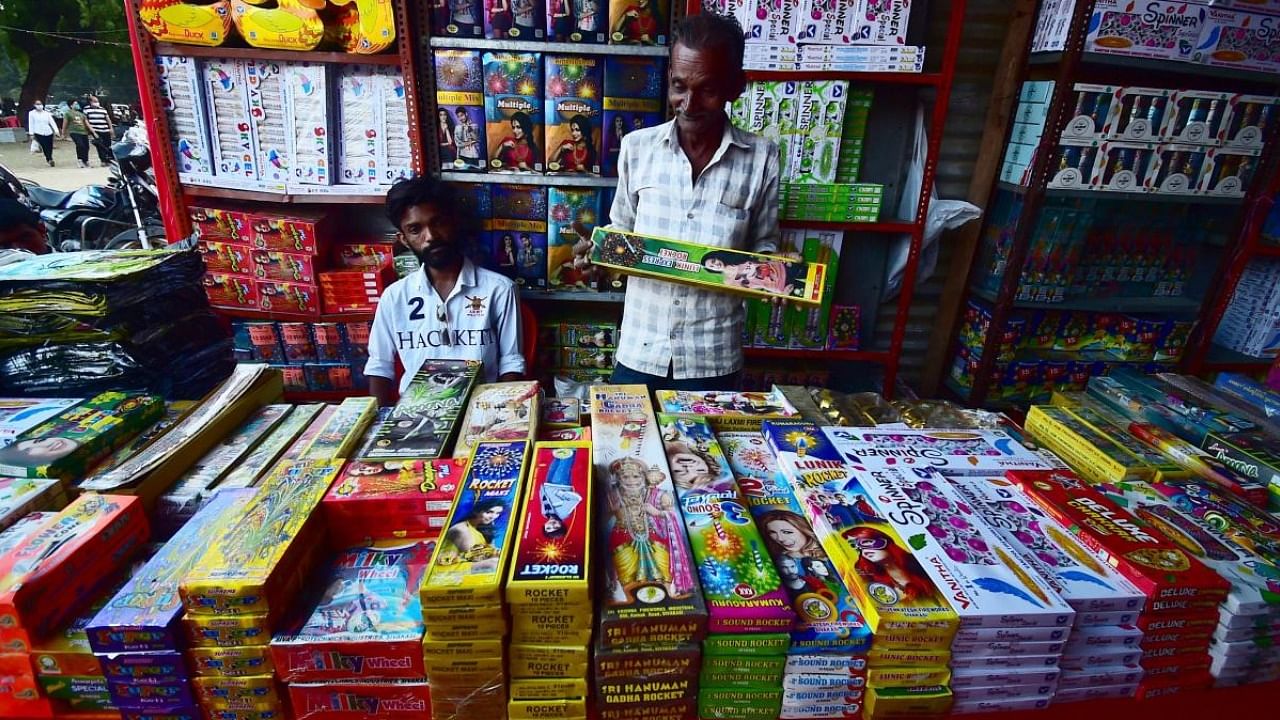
(468, 278)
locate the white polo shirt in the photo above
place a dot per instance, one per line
(480, 320)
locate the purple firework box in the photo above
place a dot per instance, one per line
(144, 615)
(153, 668)
(127, 696)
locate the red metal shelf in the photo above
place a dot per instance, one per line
(249, 314)
(874, 356)
(892, 227)
(258, 196)
(886, 78)
(1268, 250)
(252, 53)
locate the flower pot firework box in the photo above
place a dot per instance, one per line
(48, 578)
(551, 568)
(144, 614)
(1150, 561)
(498, 412)
(252, 562)
(826, 617)
(740, 584)
(470, 562)
(737, 271)
(650, 591)
(67, 445)
(423, 421)
(951, 452)
(374, 496)
(367, 623)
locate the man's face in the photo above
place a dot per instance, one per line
(431, 235)
(702, 81)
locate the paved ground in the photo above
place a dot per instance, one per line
(65, 176)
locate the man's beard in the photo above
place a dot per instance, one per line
(438, 257)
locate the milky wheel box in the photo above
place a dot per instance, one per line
(951, 452)
(736, 271)
(367, 622)
(552, 563)
(470, 561)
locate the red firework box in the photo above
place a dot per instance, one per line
(226, 257)
(1152, 562)
(391, 499)
(54, 572)
(212, 223)
(295, 232)
(288, 297)
(284, 266)
(231, 291)
(409, 699)
(364, 256)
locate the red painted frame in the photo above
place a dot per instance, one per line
(941, 81)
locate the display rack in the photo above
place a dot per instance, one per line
(1066, 68)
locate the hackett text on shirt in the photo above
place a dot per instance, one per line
(408, 340)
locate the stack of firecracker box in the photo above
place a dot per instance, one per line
(1251, 324)
(313, 356)
(804, 327)
(583, 351)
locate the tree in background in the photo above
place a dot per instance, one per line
(47, 35)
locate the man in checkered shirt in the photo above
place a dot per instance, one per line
(698, 179)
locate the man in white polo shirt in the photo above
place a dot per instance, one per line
(450, 309)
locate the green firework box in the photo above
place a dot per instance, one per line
(736, 271)
(423, 421)
(71, 442)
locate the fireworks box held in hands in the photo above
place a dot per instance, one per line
(1082, 579)
(551, 568)
(144, 615)
(470, 561)
(498, 412)
(367, 622)
(376, 498)
(641, 601)
(1152, 562)
(49, 577)
(736, 271)
(68, 444)
(423, 421)
(951, 452)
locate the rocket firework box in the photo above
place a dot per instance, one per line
(844, 520)
(1080, 577)
(470, 561)
(551, 568)
(740, 584)
(144, 615)
(728, 411)
(650, 591)
(55, 571)
(498, 412)
(367, 622)
(1151, 561)
(384, 699)
(737, 271)
(984, 581)
(951, 452)
(253, 561)
(827, 619)
(68, 444)
(377, 498)
(422, 423)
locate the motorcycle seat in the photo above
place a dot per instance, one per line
(48, 197)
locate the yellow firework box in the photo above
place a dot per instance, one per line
(558, 709)
(438, 653)
(339, 436)
(465, 623)
(227, 631)
(550, 629)
(469, 563)
(232, 662)
(550, 569)
(548, 661)
(548, 688)
(264, 553)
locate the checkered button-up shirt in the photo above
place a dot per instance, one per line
(734, 204)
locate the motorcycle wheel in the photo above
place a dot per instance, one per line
(131, 240)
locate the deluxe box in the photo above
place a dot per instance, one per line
(956, 453)
(375, 498)
(67, 445)
(423, 421)
(657, 601)
(728, 411)
(336, 640)
(1153, 563)
(737, 271)
(52, 573)
(496, 412)
(827, 619)
(254, 560)
(550, 569)
(470, 561)
(144, 614)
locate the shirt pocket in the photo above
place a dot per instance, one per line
(732, 222)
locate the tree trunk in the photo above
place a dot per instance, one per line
(42, 68)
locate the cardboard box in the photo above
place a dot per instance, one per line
(434, 400)
(513, 100)
(573, 93)
(375, 496)
(1122, 166)
(633, 100)
(551, 566)
(1178, 169)
(1158, 30)
(1229, 171)
(957, 453)
(497, 412)
(70, 443)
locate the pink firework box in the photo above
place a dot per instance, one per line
(1157, 30)
(1239, 39)
(49, 577)
(408, 699)
(551, 567)
(1082, 579)
(378, 495)
(882, 22)
(740, 583)
(640, 602)
(954, 453)
(366, 622)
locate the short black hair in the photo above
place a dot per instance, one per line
(424, 191)
(15, 214)
(712, 31)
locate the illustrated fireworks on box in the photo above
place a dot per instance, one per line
(518, 232)
(460, 124)
(496, 412)
(513, 111)
(423, 421)
(574, 90)
(951, 452)
(571, 212)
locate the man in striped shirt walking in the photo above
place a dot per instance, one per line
(101, 128)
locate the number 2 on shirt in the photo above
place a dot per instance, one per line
(416, 313)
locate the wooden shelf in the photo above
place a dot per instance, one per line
(548, 47)
(1170, 67)
(872, 356)
(259, 196)
(252, 53)
(892, 227)
(886, 78)
(530, 179)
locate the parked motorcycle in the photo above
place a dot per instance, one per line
(123, 214)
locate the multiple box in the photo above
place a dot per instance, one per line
(617, 22)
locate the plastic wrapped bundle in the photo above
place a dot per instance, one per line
(95, 282)
(22, 329)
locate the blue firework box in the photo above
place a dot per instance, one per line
(145, 615)
(633, 92)
(518, 233)
(827, 619)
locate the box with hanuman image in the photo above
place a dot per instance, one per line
(737, 271)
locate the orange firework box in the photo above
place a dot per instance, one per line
(374, 496)
(1148, 559)
(550, 569)
(54, 572)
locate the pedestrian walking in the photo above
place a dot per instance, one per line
(100, 126)
(43, 128)
(75, 125)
